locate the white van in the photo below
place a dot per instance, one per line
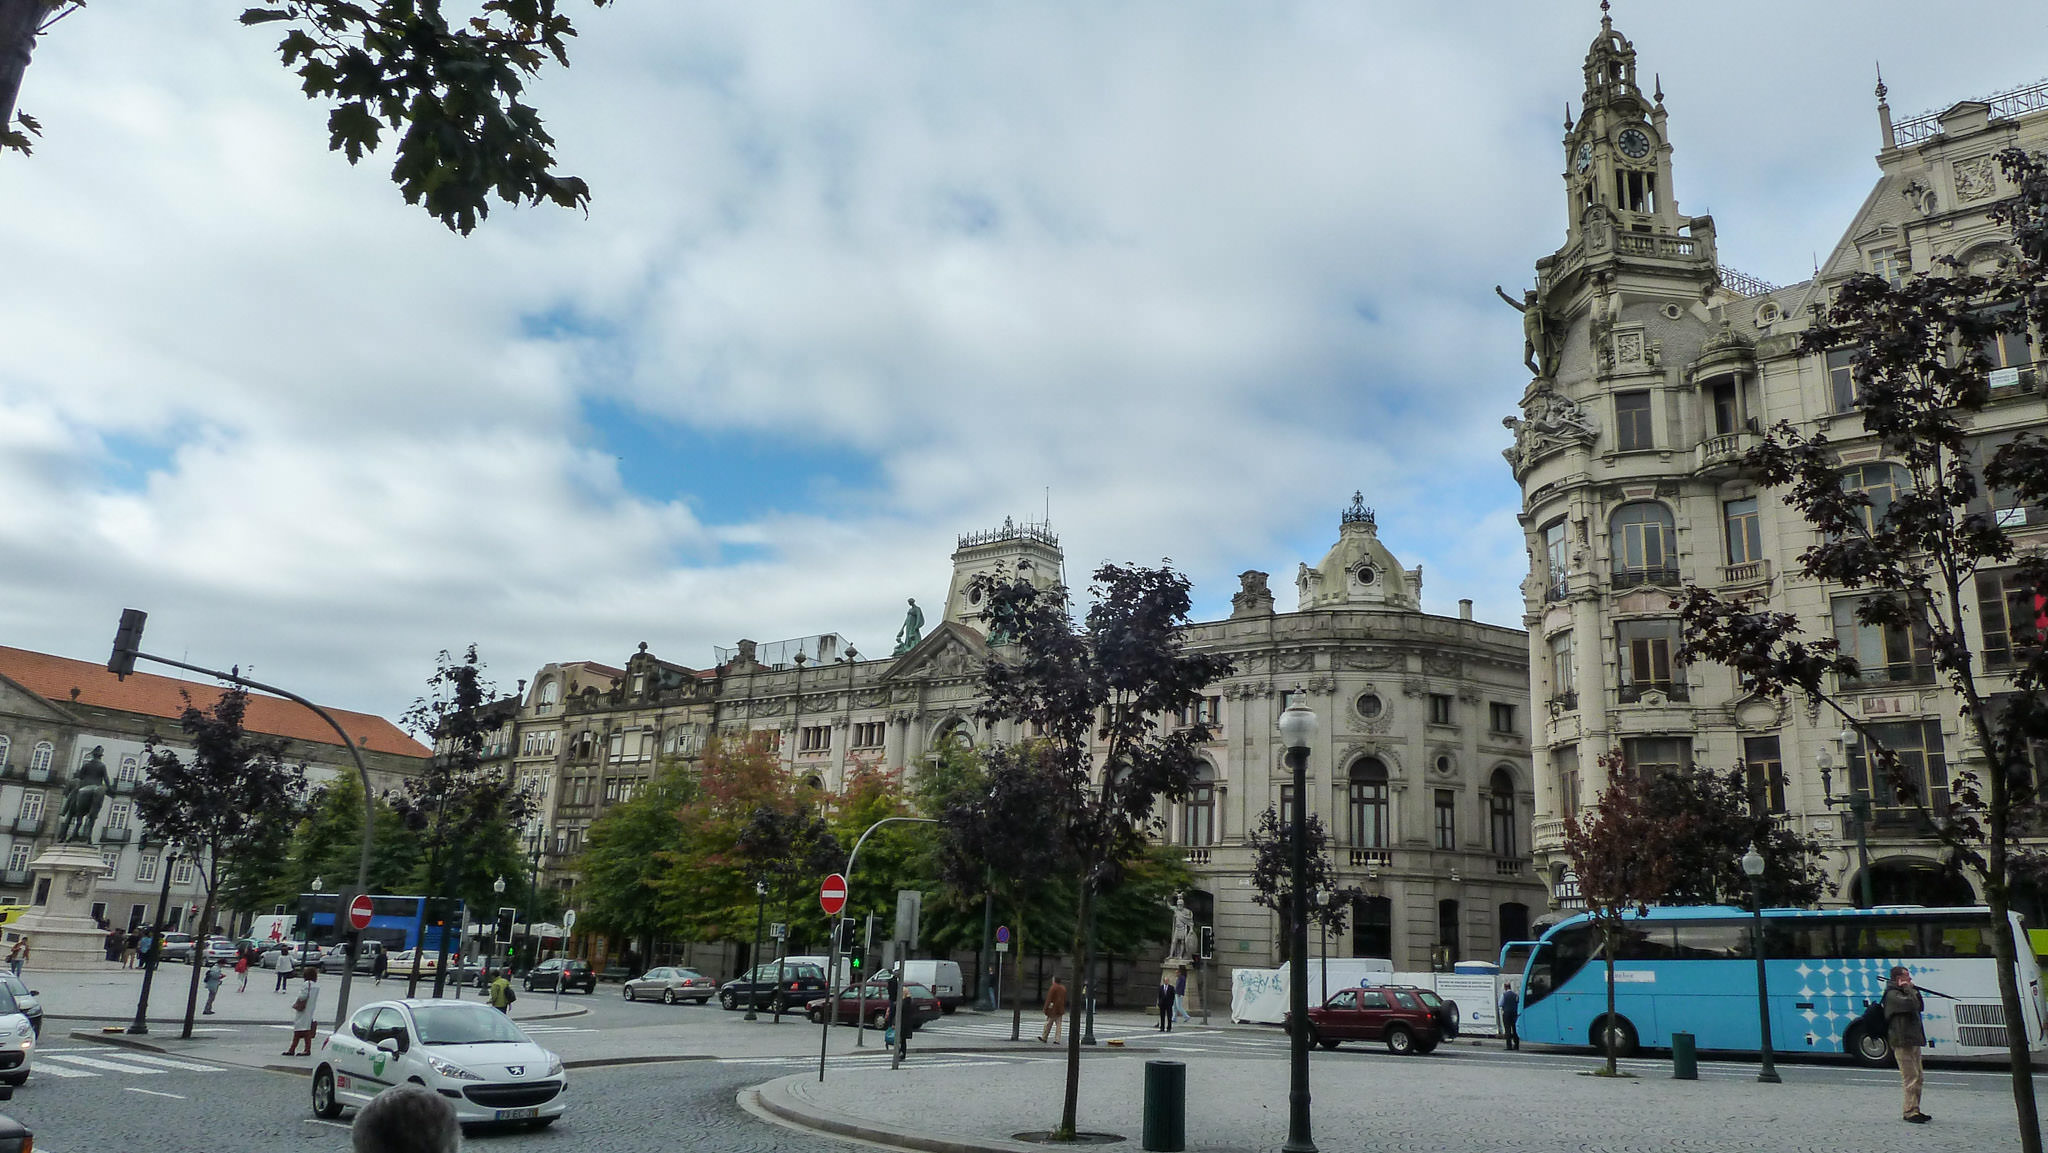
(941, 977)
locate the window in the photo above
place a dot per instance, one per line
(2010, 615)
(32, 805)
(2012, 362)
(1372, 927)
(815, 739)
(1198, 827)
(111, 858)
(117, 815)
(1744, 531)
(1919, 748)
(1564, 676)
(1764, 774)
(1727, 412)
(611, 792)
(2007, 508)
(1557, 561)
(1446, 819)
(550, 696)
(181, 873)
(1447, 932)
(1646, 654)
(1897, 652)
(1844, 393)
(1880, 482)
(1500, 814)
(618, 744)
(39, 760)
(17, 857)
(869, 734)
(5, 744)
(131, 769)
(1207, 711)
(1632, 421)
(1368, 805)
(1500, 717)
(145, 868)
(1647, 755)
(1637, 191)
(1645, 545)
(1889, 264)
(1565, 762)
(1440, 709)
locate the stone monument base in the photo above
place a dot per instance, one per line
(61, 932)
(1169, 970)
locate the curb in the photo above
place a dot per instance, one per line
(776, 1099)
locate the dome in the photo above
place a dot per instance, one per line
(1359, 571)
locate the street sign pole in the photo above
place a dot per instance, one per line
(568, 927)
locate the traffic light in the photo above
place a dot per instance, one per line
(505, 915)
(848, 939)
(1207, 949)
(127, 643)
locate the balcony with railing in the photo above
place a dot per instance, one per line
(1628, 578)
(15, 876)
(1371, 858)
(1637, 691)
(112, 836)
(39, 772)
(11, 771)
(1197, 857)
(1724, 452)
(1655, 244)
(1510, 866)
(28, 826)
(1746, 574)
(1564, 702)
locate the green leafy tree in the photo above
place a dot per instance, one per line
(628, 850)
(327, 843)
(1613, 849)
(707, 890)
(1707, 820)
(228, 800)
(1921, 369)
(450, 89)
(1270, 840)
(1096, 692)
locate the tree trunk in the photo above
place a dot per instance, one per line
(1607, 1038)
(18, 22)
(1070, 1105)
(198, 946)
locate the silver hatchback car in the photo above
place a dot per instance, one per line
(670, 984)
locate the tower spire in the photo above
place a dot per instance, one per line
(1884, 112)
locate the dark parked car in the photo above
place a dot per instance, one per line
(764, 987)
(1392, 1014)
(14, 1136)
(924, 1005)
(561, 971)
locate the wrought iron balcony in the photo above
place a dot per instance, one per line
(1634, 577)
(1371, 858)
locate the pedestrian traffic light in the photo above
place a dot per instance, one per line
(505, 916)
(857, 960)
(127, 643)
(1207, 948)
(848, 939)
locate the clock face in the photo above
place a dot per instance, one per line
(1585, 159)
(1635, 143)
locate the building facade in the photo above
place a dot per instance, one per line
(55, 711)
(1653, 370)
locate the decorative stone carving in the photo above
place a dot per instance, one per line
(1295, 662)
(1976, 178)
(1549, 420)
(1253, 598)
(1440, 664)
(1628, 347)
(1369, 662)
(1320, 684)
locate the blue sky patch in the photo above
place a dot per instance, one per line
(128, 459)
(724, 475)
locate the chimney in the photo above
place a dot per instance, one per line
(1465, 609)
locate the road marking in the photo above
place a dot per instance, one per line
(60, 1071)
(154, 1093)
(109, 1066)
(169, 1063)
(318, 1121)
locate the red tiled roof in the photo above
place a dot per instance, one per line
(58, 678)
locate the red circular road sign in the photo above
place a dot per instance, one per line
(832, 894)
(359, 912)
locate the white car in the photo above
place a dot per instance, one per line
(466, 1051)
(400, 964)
(17, 1041)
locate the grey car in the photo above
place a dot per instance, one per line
(670, 984)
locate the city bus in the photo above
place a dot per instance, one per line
(1692, 970)
(394, 921)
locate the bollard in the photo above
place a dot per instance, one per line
(1685, 1064)
(1166, 1092)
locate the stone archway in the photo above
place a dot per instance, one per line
(1912, 881)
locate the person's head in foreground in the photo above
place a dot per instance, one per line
(406, 1119)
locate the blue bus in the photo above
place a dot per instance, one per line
(1692, 970)
(394, 921)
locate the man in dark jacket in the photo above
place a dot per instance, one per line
(1902, 1006)
(1510, 1012)
(1165, 1000)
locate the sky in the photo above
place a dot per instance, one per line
(855, 279)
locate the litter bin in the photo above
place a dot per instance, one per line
(1166, 1094)
(1685, 1065)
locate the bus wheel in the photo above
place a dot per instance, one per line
(1624, 1036)
(1870, 1049)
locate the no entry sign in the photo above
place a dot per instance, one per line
(832, 895)
(359, 912)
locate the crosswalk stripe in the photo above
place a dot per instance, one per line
(47, 1069)
(169, 1063)
(109, 1066)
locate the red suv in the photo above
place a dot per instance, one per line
(1396, 1015)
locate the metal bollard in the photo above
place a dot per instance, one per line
(1685, 1065)
(1166, 1093)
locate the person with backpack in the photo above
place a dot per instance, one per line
(502, 995)
(1902, 1008)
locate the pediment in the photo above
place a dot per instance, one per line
(952, 650)
(16, 700)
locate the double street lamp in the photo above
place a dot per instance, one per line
(760, 913)
(1753, 868)
(1858, 804)
(1297, 728)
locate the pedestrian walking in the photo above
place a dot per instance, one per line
(1165, 1000)
(502, 995)
(213, 978)
(114, 940)
(131, 944)
(379, 964)
(1510, 1012)
(1055, 1012)
(304, 1011)
(17, 956)
(1180, 996)
(283, 964)
(242, 970)
(1902, 1007)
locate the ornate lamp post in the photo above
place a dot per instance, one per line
(1858, 804)
(1753, 867)
(1297, 728)
(760, 914)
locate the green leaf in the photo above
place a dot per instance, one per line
(352, 130)
(264, 15)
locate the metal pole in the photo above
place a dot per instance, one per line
(860, 1003)
(760, 915)
(1298, 1129)
(1859, 812)
(1088, 977)
(861, 1028)
(988, 949)
(1769, 1072)
(140, 1026)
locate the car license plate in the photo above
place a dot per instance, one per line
(518, 1114)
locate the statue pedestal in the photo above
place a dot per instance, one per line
(1169, 971)
(61, 932)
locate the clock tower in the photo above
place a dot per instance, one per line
(1617, 156)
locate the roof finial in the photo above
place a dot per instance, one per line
(1567, 116)
(1884, 114)
(1880, 82)
(1659, 94)
(1606, 21)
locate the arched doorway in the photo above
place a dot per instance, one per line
(1911, 881)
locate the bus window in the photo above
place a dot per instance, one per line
(1962, 941)
(1787, 937)
(1712, 941)
(1570, 950)
(1540, 982)
(1644, 942)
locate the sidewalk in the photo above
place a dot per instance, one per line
(1432, 1102)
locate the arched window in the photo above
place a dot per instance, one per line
(1644, 543)
(1368, 809)
(1500, 813)
(1881, 481)
(550, 695)
(131, 768)
(1198, 815)
(5, 744)
(39, 760)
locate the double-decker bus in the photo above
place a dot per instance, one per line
(394, 920)
(1692, 970)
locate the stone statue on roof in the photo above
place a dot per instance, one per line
(912, 630)
(82, 799)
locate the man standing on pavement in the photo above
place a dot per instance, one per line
(1055, 1012)
(283, 965)
(305, 1013)
(1510, 1012)
(1165, 1002)
(214, 976)
(18, 955)
(1902, 1006)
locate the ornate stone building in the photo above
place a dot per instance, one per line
(1653, 368)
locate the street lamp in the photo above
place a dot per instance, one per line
(1858, 804)
(760, 913)
(1297, 728)
(140, 1026)
(533, 846)
(1323, 929)
(306, 926)
(1753, 867)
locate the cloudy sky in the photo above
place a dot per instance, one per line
(856, 278)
